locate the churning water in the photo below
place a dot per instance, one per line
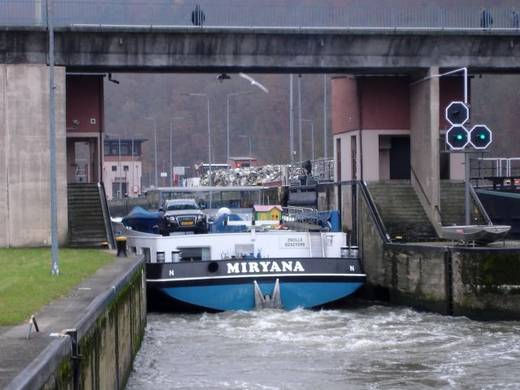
(375, 347)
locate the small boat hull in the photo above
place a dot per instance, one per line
(480, 234)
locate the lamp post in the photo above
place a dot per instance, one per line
(154, 145)
(325, 151)
(250, 141)
(119, 166)
(229, 95)
(55, 269)
(209, 143)
(300, 140)
(172, 122)
(312, 136)
(291, 121)
(133, 166)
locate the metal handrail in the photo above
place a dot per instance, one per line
(480, 206)
(436, 207)
(374, 213)
(106, 216)
(501, 166)
(290, 210)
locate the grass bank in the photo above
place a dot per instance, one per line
(26, 283)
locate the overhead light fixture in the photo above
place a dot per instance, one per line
(111, 79)
(223, 76)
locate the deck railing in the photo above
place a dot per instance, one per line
(248, 13)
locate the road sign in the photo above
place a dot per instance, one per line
(457, 113)
(480, 137)
(457, 137)
(179, 171)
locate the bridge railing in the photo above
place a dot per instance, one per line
(247, 13)
(495, 170)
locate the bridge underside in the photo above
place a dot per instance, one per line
(24, 87)
(182, 49)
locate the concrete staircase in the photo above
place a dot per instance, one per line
(452, 204)
(402, 213)
(86, 222)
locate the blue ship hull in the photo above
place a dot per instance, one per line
(240, 284)
(241, 296)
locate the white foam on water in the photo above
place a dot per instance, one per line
(372, 347)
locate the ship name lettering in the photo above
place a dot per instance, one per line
(253, 267)
(233, 268)
(264, 267)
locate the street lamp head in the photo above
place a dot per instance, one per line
(193, 94)
(253, 82)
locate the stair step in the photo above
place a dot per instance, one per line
(401, 211)
(86, 221)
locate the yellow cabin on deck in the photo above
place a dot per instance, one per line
(267, 212)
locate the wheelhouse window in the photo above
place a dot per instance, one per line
(146, 253)
(244, 250)
(195, 254)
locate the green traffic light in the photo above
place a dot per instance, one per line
(482, 136)
(459, 137)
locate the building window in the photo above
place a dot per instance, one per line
(114, 168)
(125, 168)
(125, 149)
(114, 149)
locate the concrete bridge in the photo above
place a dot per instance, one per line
(24, 85)
(195, 49)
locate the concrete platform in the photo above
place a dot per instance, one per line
(17, 351)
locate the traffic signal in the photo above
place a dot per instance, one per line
(480, 136)
(457, 113)
(457, 137)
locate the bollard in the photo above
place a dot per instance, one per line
(121, 246)
(345, 252)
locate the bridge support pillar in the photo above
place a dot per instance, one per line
(424, 141)
(25, 156)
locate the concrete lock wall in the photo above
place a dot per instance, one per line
(371, 245)
(424, 140)
(25, 156)
(486, 282)
(419, 276)
(109, 344)
(480, 283)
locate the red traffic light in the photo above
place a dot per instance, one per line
(457, 137)
(457, 113)
(480, 137)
